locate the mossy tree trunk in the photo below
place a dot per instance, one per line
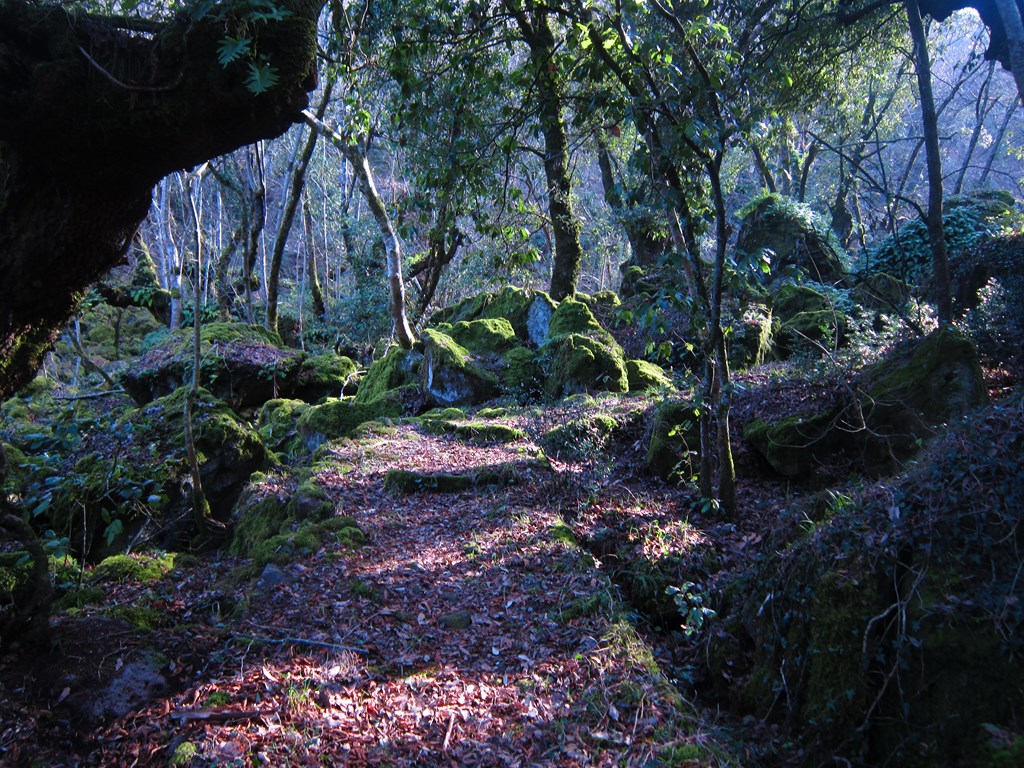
(535, 28)
(93, 112)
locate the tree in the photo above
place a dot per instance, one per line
(534, 24)
(94, 110)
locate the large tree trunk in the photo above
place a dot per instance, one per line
(93, 112)
(535, 28)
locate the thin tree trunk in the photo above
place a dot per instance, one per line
(355, 153)
(312, 274)
(982, 107)
(994, 152)
(297, 180)
(936, 234)
(200, 505)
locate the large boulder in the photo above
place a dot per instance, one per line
(244, 365)
(579, 355)
(390, 388)
(809, 318)
(967, 221)
(894, 406)
(673, 451)
(228, 451)
(527, 311)
(451, 375)
(793, 237)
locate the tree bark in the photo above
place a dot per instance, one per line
(535, 28)
(295, 184)
(92, 115)
(936, 233)
(1010, 13)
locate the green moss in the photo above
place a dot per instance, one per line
(563, 534)
(217, 699)
(643, 375)
(585, 607)
(79, 597)
(521, 376)
(493, 413)
(485, 337)
(444, 414)
(580, 439)
(261, 521)
(477, 431)
(575, 317)
(143, 617)
(526, 311)
(325, 375)
(793, 444)
(576, 363)
(338, 418)
(183, 755)
(144, 568)
(939, 377)
(277, 425)
(398, 368)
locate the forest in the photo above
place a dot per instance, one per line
(512, 383)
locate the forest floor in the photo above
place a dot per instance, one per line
(470, 629)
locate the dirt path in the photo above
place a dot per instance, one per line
(469, 630)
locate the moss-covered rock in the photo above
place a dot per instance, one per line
(493, 336)
(527, 311)
(277, 425)
(644, 375)
(580, 439)
(674, 447)
(405, 481)
(228, 450)
(145, 567)
(794, 237)
(810, 317)
(244, 365)
(896, 406)
(580, 355)
(476, 431)
(336, 418)
(752, 339)
(450, 375)
(520, 377)
(279, 528)
(396, 371)
(325, 375)
(794, 445)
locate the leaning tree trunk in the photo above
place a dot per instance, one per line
(93, 112)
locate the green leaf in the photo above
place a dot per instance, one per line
(262, 77)
(113, 531)
(232, 48)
